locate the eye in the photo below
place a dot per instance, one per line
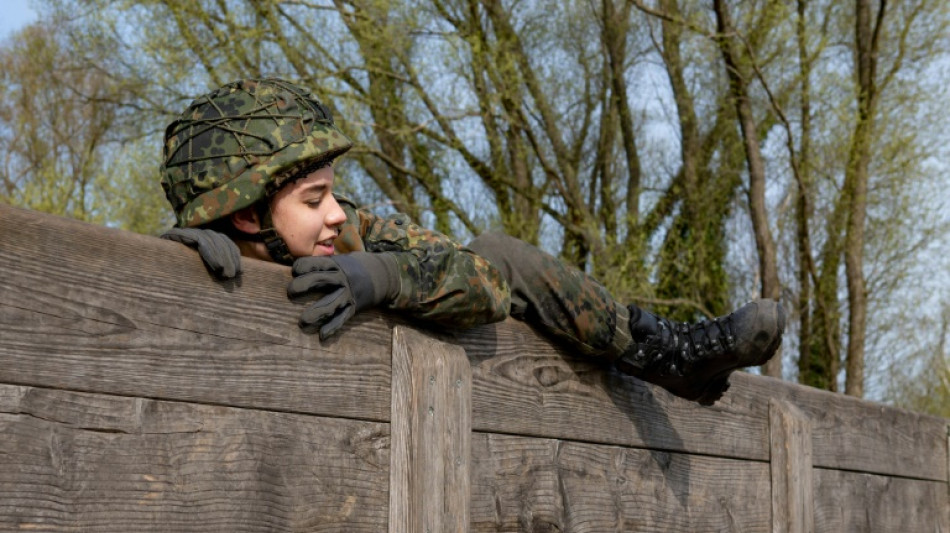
(315, 198)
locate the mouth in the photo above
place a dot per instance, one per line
(326, 246)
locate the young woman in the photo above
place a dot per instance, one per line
(251, 162)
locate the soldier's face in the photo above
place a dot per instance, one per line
(307, 216)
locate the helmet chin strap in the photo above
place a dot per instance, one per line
(275, 244)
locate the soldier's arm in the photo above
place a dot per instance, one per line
(440, 280)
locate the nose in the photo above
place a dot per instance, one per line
(335, 216)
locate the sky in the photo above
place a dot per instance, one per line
(16, 14)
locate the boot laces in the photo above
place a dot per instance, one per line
(686, 344)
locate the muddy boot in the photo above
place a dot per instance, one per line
(693, 361)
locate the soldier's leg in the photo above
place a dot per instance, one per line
(692, 361)
(561, 301)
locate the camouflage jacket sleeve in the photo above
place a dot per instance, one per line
(440, 280)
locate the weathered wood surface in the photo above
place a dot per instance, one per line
(526, 385)
(431, 435)
(533, 484)
(91, 308)
(74, 461)
(793, 497)
(125, 321)
(855, 502)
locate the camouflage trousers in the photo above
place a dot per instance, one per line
(556, 299)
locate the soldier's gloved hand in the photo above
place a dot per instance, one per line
(347, 283)
(219, 253)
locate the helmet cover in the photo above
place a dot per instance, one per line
(240, 143)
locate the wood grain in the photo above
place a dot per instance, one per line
(533, 484)
(94, 309)
(431, 435)
(91, 308)
(793, 499)
(853, 434)
(136, 391)
(855, 502)
(87, 462)
(524, 384)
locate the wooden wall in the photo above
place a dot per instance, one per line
(137, 394)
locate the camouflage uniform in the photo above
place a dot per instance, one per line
(558, 300)
(440, 280)
(446, 283)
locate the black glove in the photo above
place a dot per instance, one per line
(349, 284)
(219, 253)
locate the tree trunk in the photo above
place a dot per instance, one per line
(802, 211)
(856, 187)
(764, 243)
(615, 30)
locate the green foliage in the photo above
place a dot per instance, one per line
(132, 192)
(920, 381)
(929, 390)
(69, 147)
(603, 132)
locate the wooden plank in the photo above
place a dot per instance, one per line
(88, 462)
(431, 435)
(853, 434)
(527, 385)
(855, 502)
(791, 467)
(152, 361)
(89, 308)
(88, 270)
(535, 484)
(524, 384)
(83, 310)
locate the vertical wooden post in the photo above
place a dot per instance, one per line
(431, 429)
(793, 497)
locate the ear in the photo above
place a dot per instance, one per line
(246, 220)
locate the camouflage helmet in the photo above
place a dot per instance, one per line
(238, 144)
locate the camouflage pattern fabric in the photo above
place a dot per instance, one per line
(558, 300)
(239, 143)
(440, 280)
(446, 283)
(443, 282)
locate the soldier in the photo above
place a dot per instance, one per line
(248, 171)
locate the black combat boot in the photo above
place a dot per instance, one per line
(693, 361)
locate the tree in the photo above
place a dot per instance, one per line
(922, 381)
(739, 77)
(63, 140)
(51, 136)
(747, 59)
(689, 155)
